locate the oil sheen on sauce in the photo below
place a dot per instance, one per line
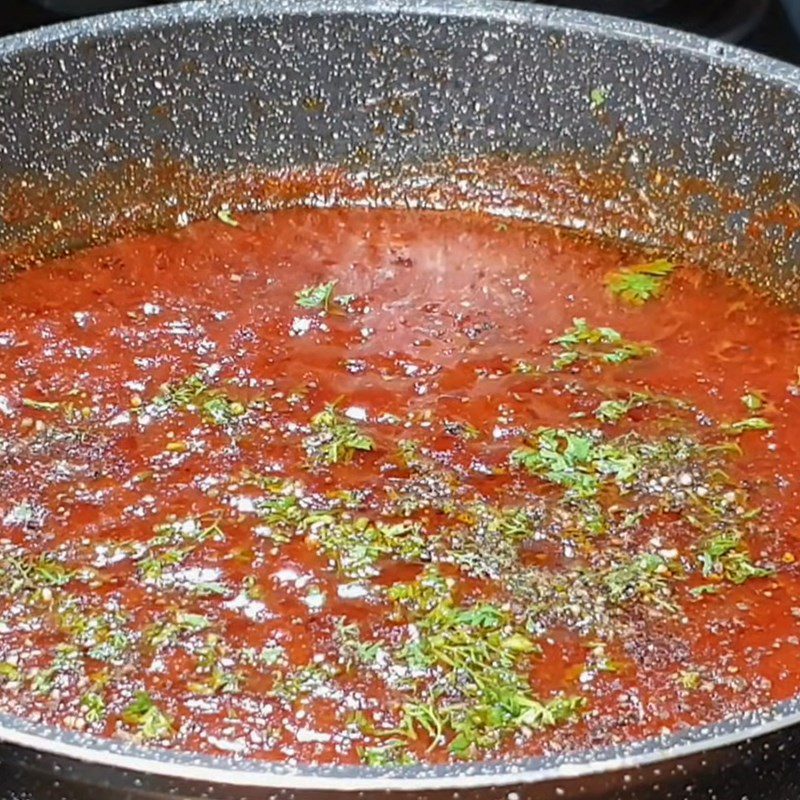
(349, 486)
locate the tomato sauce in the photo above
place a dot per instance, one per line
(344, 486)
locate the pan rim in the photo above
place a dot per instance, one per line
(186, 766)
(532, 13)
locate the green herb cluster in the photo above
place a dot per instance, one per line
(726, 556)
(148, 719)
(194, 394)
(579, 461)
(321, 296)
(173, 543)
(641, 282)
(356, 545)
(335, 438)
(474, 661)
(582, 342)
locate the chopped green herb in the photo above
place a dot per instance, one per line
(319, 296)
(183, 394)
(34, 573)
(221, 410)
(283, 515)
(335, 438)
(565, 360)
(153, 565)
(704, 589)
(194, 394)
(392, 754)
(726, 556)
(270, 656)
(218, 681)
(322, 297)
(514, 523)
(626, 352)
(598, 97)
(226, 216)
(152, 723)
(562, 457)
(577, 460)
(66, 660)
(581, 333)
(583, 342)
(614, 410)
(192, 622)
(173, 544)
(422, 596)
(690, 680)
(356, 545)
(749, 424)
(481, 694)
(753, 401)
(645, 575)
(94, 708)
(409, 453)
(40, 405)
(524, 368)
(209, 589)
(9, 672)
(641, 282)
(462, 430)
(354, 650)
(103, 636)
(303, 682)
(168, 632)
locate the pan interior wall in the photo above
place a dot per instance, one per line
(109, 127)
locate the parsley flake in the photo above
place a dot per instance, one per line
(335, 438)
(642, 282)
(583, 342)
(726, 556)
(749, 424)
(225, 216)
(598, 97)
(152, 723)
(319, 296)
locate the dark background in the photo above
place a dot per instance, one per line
(762, 25)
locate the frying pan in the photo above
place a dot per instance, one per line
(150, 118)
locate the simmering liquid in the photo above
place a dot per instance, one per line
(343, 486)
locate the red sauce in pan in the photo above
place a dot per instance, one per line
(343, 486)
